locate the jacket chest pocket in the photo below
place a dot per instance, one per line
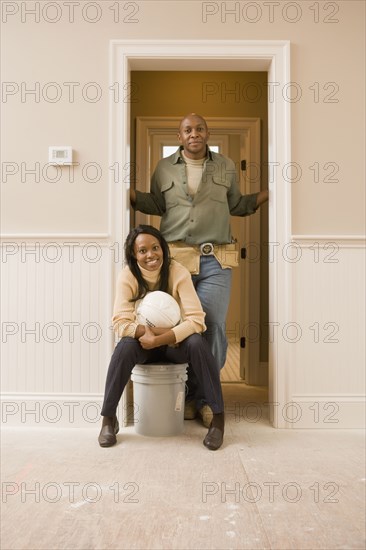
(219, 190)
(169, 193)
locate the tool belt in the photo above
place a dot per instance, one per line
(189, 254)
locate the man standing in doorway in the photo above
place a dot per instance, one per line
(195, 191)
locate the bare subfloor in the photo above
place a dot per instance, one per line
(265, 488)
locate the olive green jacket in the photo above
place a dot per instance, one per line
(206, 216)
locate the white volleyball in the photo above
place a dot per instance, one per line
(158, 309)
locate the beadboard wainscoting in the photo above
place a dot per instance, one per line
(326, 334)
(57, 298)
(57, 339)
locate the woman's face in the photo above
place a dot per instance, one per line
(148, 252)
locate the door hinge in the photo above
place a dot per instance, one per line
(243, 253)
(242, 342)
(243, 165)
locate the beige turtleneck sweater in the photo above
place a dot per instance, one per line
(180, 286)
(194, 173)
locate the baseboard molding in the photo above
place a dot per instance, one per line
(32, 410)
(303, 411)
(325, 411)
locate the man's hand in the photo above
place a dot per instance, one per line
(132, 197)
(147, 340)
(262, 197)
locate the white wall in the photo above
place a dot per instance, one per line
(329, 130)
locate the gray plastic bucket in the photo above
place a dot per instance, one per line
(159, 395)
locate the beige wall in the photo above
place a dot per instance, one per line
(65, 51)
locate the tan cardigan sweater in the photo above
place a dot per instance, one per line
(180, 286)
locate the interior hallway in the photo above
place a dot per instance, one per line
(264, 489)
(231, 370)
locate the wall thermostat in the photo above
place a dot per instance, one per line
(60, 154)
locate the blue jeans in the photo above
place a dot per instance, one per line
(213, 286)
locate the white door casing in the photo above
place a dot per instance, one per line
(242, 55)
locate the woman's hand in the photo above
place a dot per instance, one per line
(147, 340)
(154, 337)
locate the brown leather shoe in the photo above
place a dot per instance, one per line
(215, 435)
(190, 410)
(206, 415)
(110, 428)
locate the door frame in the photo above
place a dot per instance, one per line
(243, 55)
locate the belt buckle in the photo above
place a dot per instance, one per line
(206, 249)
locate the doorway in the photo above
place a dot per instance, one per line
(239, 139)
(217, 55)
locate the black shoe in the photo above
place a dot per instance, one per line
(110, 428)
(215, 434)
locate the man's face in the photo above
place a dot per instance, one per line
(193, 135)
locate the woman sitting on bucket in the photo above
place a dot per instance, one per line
(149, 267)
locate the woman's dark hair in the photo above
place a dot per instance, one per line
(133, 265)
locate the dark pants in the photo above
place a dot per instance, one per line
(193, 350)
